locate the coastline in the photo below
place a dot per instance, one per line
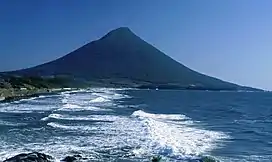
(41, 157)
(10, 95)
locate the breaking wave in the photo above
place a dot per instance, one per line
(99, 100)
(173, 135)
(84, 122)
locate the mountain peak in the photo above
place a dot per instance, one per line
(122, 29)
(121, 58)
(120, 32)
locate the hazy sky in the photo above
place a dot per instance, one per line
(230, 39)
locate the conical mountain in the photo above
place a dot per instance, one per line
(121, 56)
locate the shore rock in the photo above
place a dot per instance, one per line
(156, 159)
(200, 159)
(31, 157)
(75, 158)
(2, 98)
(208, 159)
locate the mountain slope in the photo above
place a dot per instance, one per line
(122, 56)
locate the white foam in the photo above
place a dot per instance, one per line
(76, 128)
(176, 138)
(70, 91)
(108, 89)
(55, 116)
(56, 125)
(64, 100)
(148, 133)
(68, 117)
(42, 96)
(75, 107)
(111, 95)
(80, 102)
(109, 118)
(145, 133)
(71, 106)
(87, 108)
(58, 148)
(97, 118)
(99, 100)
(25, 99)
(6, 123)
(143, 114)
(45, 119)
(67, 89)
(25, 108)
(107, 95)
(92, 108)
(30, 99)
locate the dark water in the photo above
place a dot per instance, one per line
(115, 125)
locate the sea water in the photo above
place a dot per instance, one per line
(103, 124)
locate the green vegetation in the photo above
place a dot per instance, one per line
(29, 83)
(17, 87)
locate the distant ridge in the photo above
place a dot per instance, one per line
(124, 59)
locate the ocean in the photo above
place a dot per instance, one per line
(103, 124)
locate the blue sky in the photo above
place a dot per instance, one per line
(231, 40)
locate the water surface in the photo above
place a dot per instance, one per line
(121, 124)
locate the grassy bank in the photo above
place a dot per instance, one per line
(15, 87)
(9, 95)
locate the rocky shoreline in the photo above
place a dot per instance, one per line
(25, 94)
(41, 157)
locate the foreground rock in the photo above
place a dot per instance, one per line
(200, 159)
(208, 159)
(75, 158)
(40, 157)
(18, 97)
(156, 158)
(31, 157)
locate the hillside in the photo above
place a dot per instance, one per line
(122, 58)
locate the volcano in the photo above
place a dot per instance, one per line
(122, 58)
